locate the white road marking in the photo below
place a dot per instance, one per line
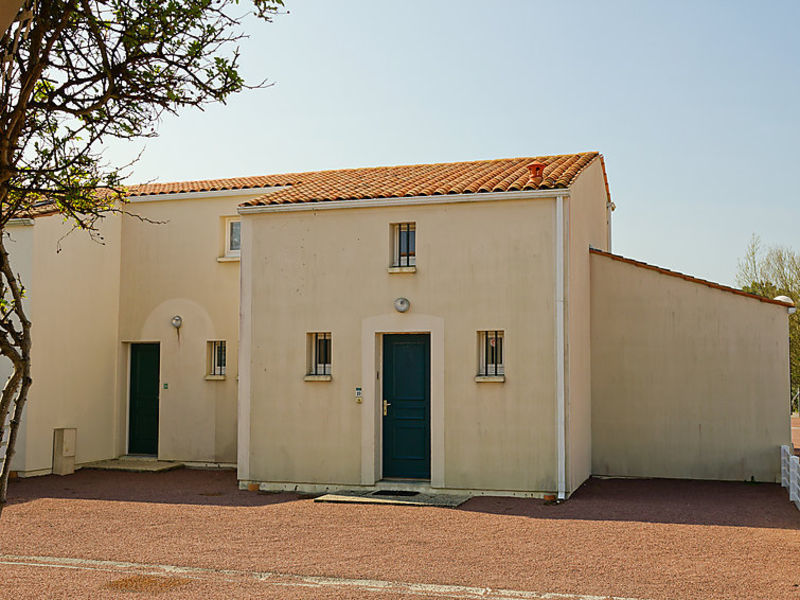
(293, 580)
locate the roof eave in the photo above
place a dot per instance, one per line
(254, 191)
(685, 277)
(404, 201)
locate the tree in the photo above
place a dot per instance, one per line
(771, 272)
(74, 75)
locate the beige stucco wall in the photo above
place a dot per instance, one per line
(587, 226)
(20, 248)
(480, 265)
(73, 290)
(123, 291)
(687, 381)
(170, 267)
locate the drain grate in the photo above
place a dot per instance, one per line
(394, 493)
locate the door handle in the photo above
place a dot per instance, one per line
(386, 406)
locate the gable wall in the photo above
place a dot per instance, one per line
(688, 381)
(587, 224)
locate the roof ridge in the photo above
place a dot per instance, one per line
(362, 168)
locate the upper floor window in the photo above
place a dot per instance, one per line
(404, 245)
(233, 237)
(491, 353)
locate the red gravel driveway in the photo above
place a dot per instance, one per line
(192, 534)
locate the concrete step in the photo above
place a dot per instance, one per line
(392, 497)
(136, 464)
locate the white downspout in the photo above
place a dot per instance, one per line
(560, 389)
(245, 341)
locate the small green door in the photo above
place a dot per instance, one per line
(407, 406)
(143, 417)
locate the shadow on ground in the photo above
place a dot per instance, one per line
(679, 501)
(182, 486)
(731, 504)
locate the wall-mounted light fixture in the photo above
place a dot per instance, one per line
(177, 321)
(402, 305)
(790, 309)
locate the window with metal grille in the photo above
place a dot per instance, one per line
(319, 354)
(216, 358)
(404, 244)
(491, 353)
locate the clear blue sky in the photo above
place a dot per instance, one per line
(694, 105)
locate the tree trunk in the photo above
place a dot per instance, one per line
(15, 345)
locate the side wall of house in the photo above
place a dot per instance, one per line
(20, 248)
(587, 223)
(688, 381)
(170, 268)
(73, 305)
(480, 266)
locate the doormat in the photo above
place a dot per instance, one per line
(395, 493)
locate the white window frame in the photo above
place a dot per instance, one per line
(485, 340)
(399, 260)
(230, 253)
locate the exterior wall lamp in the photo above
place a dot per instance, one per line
(790, 309)
(401, 304)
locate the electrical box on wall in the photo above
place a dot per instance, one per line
(64, 442)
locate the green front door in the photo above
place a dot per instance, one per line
(143, 417)
(407, 406)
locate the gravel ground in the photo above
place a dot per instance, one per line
(796, 432)
(68, 537)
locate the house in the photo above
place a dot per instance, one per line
(460, 326)
(106, 359)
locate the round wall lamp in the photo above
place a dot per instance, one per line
(177, 321)
(402, 305)
(790, 309)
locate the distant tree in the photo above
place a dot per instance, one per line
(771, 272)
(75, 74)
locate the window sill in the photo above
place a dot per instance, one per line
(224, 259)
(215, 377)
(490, 378)
(409, 269)
(317, 378)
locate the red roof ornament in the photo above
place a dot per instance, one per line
(536, 169)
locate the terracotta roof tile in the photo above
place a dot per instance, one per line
(480, 176)
(212, 185)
